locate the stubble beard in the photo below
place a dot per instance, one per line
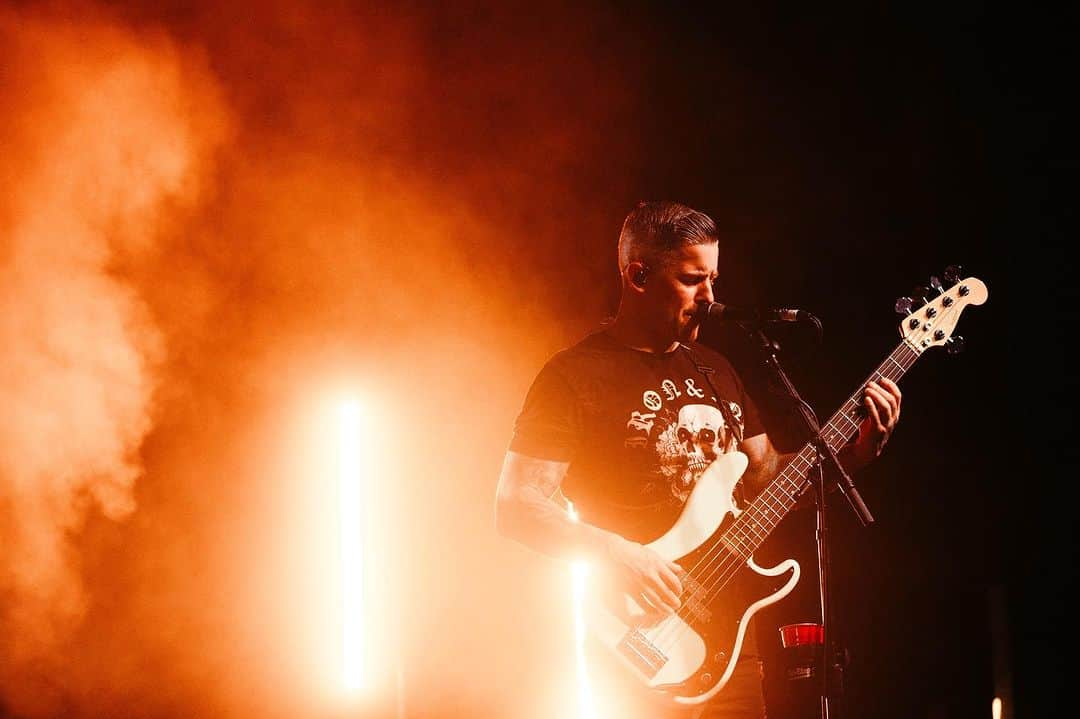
(688, 331)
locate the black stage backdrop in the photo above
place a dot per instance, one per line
(880, 144)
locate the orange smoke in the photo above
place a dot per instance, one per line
(103, 151)
(223, 216)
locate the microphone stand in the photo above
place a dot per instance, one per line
(768, 349)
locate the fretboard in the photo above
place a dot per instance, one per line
(759, 519)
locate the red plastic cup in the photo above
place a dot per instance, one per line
(803, 634)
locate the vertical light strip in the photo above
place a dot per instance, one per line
(995, 708)
(351, 478)
(579, 571)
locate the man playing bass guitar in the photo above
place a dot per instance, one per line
(626, 423)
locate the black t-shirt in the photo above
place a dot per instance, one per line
(638, 428)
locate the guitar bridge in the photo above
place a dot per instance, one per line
(641, 653)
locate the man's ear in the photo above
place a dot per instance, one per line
(637, 273)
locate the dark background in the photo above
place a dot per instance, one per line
(877, 145)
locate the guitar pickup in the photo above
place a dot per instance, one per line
(693, 600)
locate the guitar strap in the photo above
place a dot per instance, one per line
(738, 492)
(725, 410)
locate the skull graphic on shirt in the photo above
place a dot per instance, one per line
(701, 432)
(686, 441)
(702, 435)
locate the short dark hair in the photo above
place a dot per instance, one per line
(656, 228)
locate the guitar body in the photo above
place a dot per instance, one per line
(689, 656)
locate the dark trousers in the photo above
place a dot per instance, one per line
(743, 696)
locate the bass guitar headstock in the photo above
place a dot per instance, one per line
(931, 312)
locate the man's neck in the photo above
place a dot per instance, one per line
(630, 332)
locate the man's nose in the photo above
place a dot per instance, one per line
(705, 293)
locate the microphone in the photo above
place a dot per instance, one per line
(719, 312)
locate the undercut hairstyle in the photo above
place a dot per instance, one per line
(654, 230)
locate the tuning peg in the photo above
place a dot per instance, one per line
(935, 284)
(903, 306)
(918, 294)
(953, 274)
(954, 345)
